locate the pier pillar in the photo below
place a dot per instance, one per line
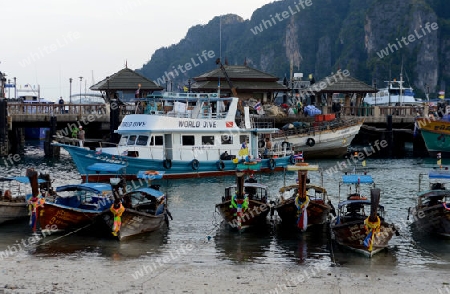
(389, 135)
(4, 144)
(114, 121)
(50, 150)
(419, 147)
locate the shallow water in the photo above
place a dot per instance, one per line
(192, 204)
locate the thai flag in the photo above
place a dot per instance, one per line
(257, 106)
(368, 241)
(99, 151)
(125, 153)
(298, 156)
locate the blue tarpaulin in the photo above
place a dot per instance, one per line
(357, 179)
(439, 174)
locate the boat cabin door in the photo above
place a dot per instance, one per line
(168, 148)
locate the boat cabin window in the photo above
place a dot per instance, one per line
(156, 141)
(142, 140)
(131, 140)
(207, 140)
(188, 140)
(123, 141)
(243, 138)
(226, 139)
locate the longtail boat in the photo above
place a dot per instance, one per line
(431, 214)
(352, 227)
(245, 205)
(294, 200)
(145, 209)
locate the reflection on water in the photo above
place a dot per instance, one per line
(192, 203)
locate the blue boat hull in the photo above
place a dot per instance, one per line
(178, 169)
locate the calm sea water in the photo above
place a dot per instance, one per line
(192, 204)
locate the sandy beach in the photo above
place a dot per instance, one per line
(24, 273)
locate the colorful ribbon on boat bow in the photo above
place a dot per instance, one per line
(445, 206)
(302, 221)
(240, 205)
(117, 213)
(371, 229)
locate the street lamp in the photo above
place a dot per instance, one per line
(70, 90)
(81, 78)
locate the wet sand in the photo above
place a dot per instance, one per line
(24, 273)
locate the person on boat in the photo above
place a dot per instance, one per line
(80, 136)
(267, 148)
(251, 191)
(34, 205)
(117, 210)
(75, 132)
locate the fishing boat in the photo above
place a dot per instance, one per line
(75, 206)
(431, 214)
(294, 200)
(352, 227)
(394, 94)
(436, 135)
(183, 134)
(245, 205)
(145, 209)
(324, 139)
(13, 197)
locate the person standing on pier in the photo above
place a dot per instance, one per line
(61, 105)
(80, 136)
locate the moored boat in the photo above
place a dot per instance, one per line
(436, 135)
(14, 196)
(329, 139)
(352, 227)
(394, 94)
(431, 214)
(144, 209)
(183, 134)
(294, 200)
(245, 205)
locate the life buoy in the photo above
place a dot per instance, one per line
(285, 145)
(292, 159)
(310, 142)
(272, 164)
(261, 144)
(167, 163)
(195, 164)
(220, 165)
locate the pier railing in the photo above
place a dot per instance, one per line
(56, 109)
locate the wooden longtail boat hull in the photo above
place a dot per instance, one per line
(254, 216)
(134, 223)
(318, 212)
(11, 211)
(352, 234)
(58, 218)
(432, 220)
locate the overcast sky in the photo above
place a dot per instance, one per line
(46, 42)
